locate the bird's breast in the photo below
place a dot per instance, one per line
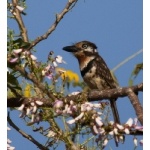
(93, 81)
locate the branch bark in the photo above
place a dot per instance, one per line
(35, 81)
(20, 22)
(29, 137)
(136, 105)
(59, 16)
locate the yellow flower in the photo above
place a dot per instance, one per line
(27, 91)
(68, 75)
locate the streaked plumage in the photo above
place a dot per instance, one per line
(94, 70)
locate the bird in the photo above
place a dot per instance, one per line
(94, 70)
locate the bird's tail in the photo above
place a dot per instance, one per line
(116, 116)
(115, 111)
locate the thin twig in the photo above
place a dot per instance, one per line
(126, 60)
(54, 25)
(29, 137)
(20, 22)
(32, 78)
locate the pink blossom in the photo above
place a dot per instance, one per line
(101, 130)
(58, 104)
(14, 60)
(83, 107)
(141, 142)
(17, 51)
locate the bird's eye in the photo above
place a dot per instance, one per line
(84, 46)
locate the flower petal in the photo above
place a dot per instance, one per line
(71, 121)
(105, 142)
(20, 8)
(21, 107)
(17, 51)
(79, 117)
(95, 129)
(55, 64)
(119, 126)
(33, 57)
(39, 102)
(13, 60)
(129, 122)
(135, 141)
(127, 131)
(98, 121)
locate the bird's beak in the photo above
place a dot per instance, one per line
(71, 49)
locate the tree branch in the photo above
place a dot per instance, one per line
(136, 105)
(54, 25)
(29, 137)
(35, 81)
(20, 22)
(94, 95)
(113, 93)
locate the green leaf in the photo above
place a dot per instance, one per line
(135, 73)
(11, 79)
(21, 43)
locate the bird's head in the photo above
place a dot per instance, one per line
(82, 48)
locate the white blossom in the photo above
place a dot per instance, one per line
(51, 133)
(95, 129)
(119, 126)
(39, 102)
(98, 121)
(80, 116)
(135, 141)
(129, 122)
(71, 121)
(59, 59)
(33, 57)
(20, 8)
(105, 142)
(126, 130)
(21, 107)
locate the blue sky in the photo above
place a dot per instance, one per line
(116, 28)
